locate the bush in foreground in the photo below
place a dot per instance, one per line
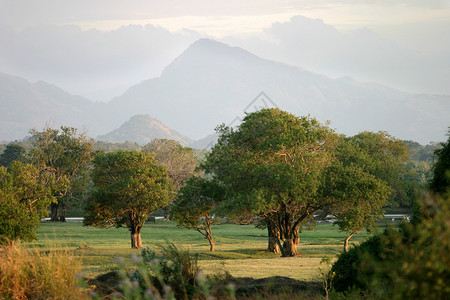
(409, 263)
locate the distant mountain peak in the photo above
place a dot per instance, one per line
(142, 129)
(209, 52)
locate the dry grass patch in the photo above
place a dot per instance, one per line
(33, 274)
(300, 267)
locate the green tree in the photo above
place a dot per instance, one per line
(440, 181)
(194, 204)
(271, 167)
(179, 161)
(25, 194)
(66, 153)
(381, 155)
(13, 152)
(127, 187)
(357, 196)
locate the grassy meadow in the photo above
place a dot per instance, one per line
(239, 248)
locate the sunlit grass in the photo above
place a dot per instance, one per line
(239, 248)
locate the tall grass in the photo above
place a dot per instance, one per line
(33, 274)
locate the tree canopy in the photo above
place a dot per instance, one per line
(271, 166)
(13, 152)
(194, 204)
(440, 181)
(128, 186)
(179, 161)
(63, 151)
(25, 194)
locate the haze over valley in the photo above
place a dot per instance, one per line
(189, 79)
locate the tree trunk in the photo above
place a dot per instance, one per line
(136, 241)
(212, 246)
(62, 217)
(348, 238)
(289, 248)
(296, 240)
(54, 208)
(209, 235)
(274, 235)
(290, 243)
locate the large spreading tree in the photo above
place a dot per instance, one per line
(67, 154)
(128, 187)
(272, 166)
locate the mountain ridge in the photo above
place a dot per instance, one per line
(212, 83)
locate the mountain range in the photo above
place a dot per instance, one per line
(212, 83)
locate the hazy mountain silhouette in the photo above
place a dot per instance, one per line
(142, 129)
(211, 83)
(26, 105)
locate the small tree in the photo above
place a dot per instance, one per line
(358, 198)
(25, 194)
(194, 204)
(128, 186)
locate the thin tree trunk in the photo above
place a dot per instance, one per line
(274, 235)
(136, 241)
(209, 235)
(212, 246)
(348, 238)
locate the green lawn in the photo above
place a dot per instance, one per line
(239, 248)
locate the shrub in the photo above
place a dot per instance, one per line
(175, 268)
(409, 263)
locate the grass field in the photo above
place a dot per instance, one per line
(239, 248)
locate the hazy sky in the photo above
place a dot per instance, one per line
(98, 60)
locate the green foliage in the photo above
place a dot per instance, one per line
(194, 204)
(358, 197)
(109, 147)
(174, 267)
(63, 150)
(347, 269)
(410, 263)
(67, 154)
(25, 194)
(384, 157)
(440, 182)
(272, 163)
(179, 161)
(13, 152)
(128, 186)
